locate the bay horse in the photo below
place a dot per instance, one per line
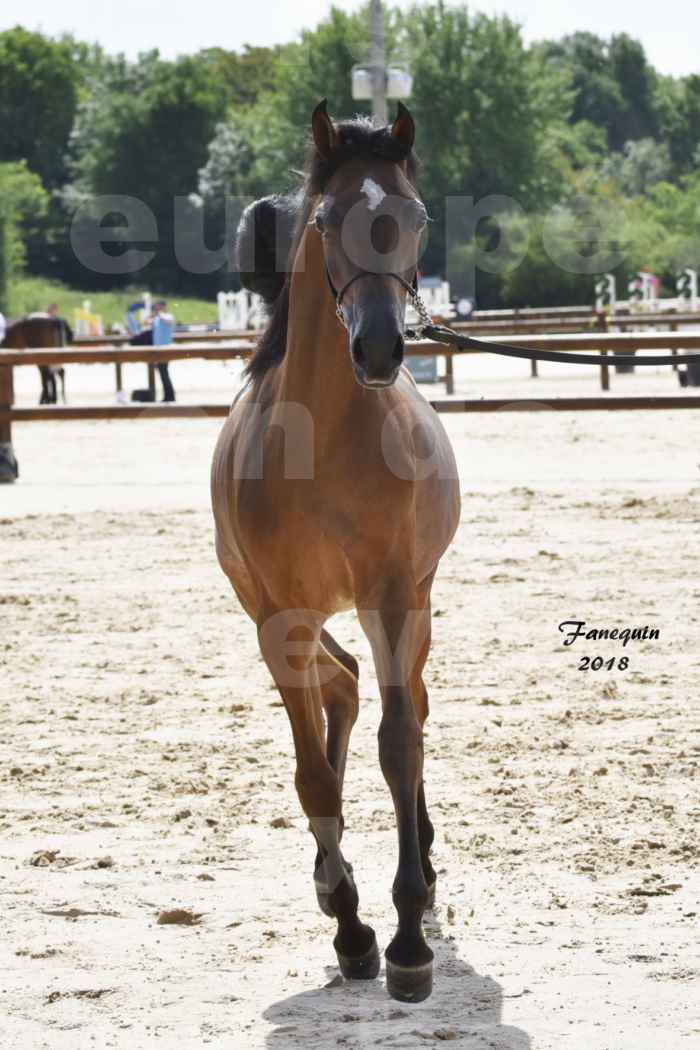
(334, 486)
(41, 330)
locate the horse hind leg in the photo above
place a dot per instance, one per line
(44, 373)
(298, 679)
(339, 673)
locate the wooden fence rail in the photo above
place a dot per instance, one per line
(483, 322)
(70, 413)
(596, 342)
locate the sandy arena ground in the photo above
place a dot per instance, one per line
(146, 762)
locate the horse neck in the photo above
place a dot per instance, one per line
(316, 370)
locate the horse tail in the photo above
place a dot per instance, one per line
(64, 332)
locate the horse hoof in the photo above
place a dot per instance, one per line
(409, 984)
(360, 967)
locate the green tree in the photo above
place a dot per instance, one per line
(23, 203)
(144, 129)
(637, 80)
(143, 132)
(244, 76)
(485, 107)
(567, 246)
(679, 108)
(585, 56)
(661, 228)
(4, 257)
(614, 85)
(276, 128)
(641, 164)
(39, 89)
(319, 66)
(272, 134)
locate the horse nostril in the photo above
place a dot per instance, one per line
(398, 350)
(358, 352)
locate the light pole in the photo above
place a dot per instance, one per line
(378, 63)
(373, 81)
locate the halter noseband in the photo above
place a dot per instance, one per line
(410, 289)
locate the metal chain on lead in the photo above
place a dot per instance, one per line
(420, 308)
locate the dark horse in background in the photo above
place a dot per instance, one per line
(42, 330)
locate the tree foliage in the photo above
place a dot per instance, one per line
(614, 85)
(537, 127)
(39, 88)
(641, 164)
(143, 132)
(24, 203)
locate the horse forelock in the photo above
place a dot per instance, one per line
(356, 138)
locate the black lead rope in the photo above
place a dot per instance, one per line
(439, 334)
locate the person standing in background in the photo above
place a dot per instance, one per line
(163, 327)
(3, 327)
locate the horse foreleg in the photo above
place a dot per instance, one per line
(338, 673)
(419, 693)
(298, 678)
(397, 629)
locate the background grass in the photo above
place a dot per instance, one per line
(35, 293)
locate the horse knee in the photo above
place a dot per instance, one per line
(319, 792)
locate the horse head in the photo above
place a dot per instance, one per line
(371, 221)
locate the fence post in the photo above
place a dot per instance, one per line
(449, 374)
(674, 352)
(8, 462)
(602, 326)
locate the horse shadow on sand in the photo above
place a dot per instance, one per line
(465, 1008)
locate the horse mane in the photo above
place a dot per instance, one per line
(356, 138)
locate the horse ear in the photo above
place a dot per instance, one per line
(324, 132)
(403, 129)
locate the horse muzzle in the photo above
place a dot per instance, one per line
(376, 358)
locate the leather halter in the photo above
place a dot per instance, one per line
(410, 289)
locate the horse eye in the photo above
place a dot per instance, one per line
(318, 221)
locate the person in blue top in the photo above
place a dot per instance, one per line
(162, 328)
